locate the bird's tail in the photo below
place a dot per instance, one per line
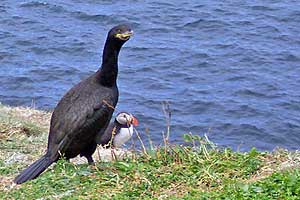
(34, 170)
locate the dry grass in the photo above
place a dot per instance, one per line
(22, 121)
(276, 161)
(26, 126)
(32, 125)
(18, 148)
(23, 139)
(164, 172)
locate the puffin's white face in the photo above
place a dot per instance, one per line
(125, 133)
(126, 118)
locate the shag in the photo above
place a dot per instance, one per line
(119, 131)
(84, 111)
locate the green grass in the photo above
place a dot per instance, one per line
(280, 185)
(179, 172)
(198, 170)
(172, 173)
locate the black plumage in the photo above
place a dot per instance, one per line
(84, 111)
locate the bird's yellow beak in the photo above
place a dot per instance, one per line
(124, 36)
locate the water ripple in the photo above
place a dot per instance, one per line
(228, 68)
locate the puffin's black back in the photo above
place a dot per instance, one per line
(84, 111)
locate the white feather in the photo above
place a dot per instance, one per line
(123, 136)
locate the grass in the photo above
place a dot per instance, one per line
(198, 170)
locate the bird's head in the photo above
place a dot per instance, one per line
(120, 33)
(125, 118)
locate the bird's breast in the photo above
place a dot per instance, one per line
(123, 136)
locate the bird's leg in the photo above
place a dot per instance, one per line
(90, 160)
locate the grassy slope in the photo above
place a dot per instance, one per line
(169, 172)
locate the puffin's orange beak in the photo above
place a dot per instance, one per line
(135, 122)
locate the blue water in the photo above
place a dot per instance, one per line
(230, 69)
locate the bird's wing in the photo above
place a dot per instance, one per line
(78, 111)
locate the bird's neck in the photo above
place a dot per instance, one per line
(109, 70)
(117, 124)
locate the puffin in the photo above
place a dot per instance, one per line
(119, 131)
(84, 111)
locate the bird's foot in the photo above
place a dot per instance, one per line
(90, 160)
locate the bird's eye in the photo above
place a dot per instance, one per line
(119, 30)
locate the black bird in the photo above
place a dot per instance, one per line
(84, 111)
(119, 131)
